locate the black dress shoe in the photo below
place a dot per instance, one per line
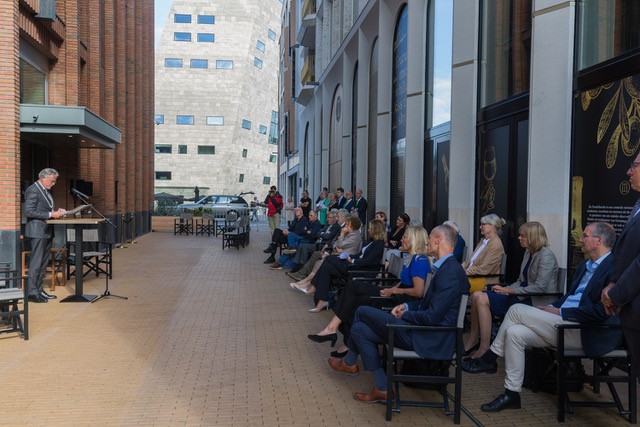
(339, 355)
(502, 402)
(47, 296)
(270, 260)
(37, 298)
(475, 366)
(322, 338)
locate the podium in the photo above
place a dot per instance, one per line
(78, 225)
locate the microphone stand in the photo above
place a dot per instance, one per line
(86, 202)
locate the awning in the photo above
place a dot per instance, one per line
(71, 127)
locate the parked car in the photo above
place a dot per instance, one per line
(218, 204)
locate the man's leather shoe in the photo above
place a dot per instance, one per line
(270, 260)
(339, 366)
(373, 396)
(295, 269)
(48, 296)
(37, 298)
(501, 402)
(295, 276)
(276, 266)
(271, 249)
(475, 366)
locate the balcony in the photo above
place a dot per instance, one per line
(307, 79)
(307, 30)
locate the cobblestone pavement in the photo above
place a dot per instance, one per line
(207, 337)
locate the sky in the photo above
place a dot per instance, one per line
(161, 12)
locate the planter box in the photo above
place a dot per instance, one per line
(162, 223)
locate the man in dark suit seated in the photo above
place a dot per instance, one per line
(439, 307)
(279, 237)
(38, 208)
(327, 235)
(525, 326)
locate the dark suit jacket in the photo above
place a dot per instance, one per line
(341, 202)
(329, 232)
(591, 310)
(37, 210)
(361, 206)
(298, 226)
(439, 307)
(373, 255)
(349, 204)
(313, 231)
(626, 293)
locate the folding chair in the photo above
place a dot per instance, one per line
(11, 297)
(184, 224)
(97, 255)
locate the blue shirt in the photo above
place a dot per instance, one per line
(418, 267)
(573, 300)
(434, 268)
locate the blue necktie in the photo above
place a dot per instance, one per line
(634, 211)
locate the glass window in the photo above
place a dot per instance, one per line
(206, 37)
(182, 19)
(246, 124)
(224, 64)
(245, 152)
(262, 129)
(173, 62)
(163, 148)
(32, 84)
(441, 38)
(266, 180)
(257, 63)
(158, 119)
(163, 176)
(241, 178)
(273, 128)
(607, 29)
(273, 158)
(215, 120)
(182, 37)
(506, 50)
(260, 45)
(271, 34)
(182, 149)
(206, 19)
(184, 120)
(199, 63)
(206, 149)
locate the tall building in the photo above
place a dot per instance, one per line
(217, 97)
(76, 95)
(450, 109)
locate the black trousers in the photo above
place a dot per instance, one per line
(40, 256)
(332, 267)
(278, 237)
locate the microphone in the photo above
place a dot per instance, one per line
(79, 194)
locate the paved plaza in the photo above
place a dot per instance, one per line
(208, 337)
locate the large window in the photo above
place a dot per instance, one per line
(182, 37)
(607, 29)
(246, 124)
(163, 148)
(182, 149)
(173, 62)
(262, 129)
(206, 37)
(273, 158)
(199, 63)
(184, 120)
(181, 18)
(241, 179)
(224, 64)
(273, 128)
(245, 152)
(206, 149)
(506, 50)
(266, 180)
(215, 120)
(32, 84)
(440, 80)
(206, 19)
(271, 34)
(163, 176)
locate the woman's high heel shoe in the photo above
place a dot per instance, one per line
(324, 306)
(339, 355)
(322, 338)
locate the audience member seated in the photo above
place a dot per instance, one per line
(310, 234)
(335, 266)
(538, 274)
(326, 236)
(525, 326)
(349, 241)
(321, 207)
(438, 307)
(410, 288)
(383, 217)
(458, 251)
(488, 254)
(298, 226)
(394, 238)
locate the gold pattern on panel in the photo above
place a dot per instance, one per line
(576, 219)
(622, 114)
(489, 169)
(445, 171)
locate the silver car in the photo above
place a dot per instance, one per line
(219, 204)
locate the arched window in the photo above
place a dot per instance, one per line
(372, 137)
(335, 141)
(354, 129)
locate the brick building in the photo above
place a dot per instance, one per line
(76, 94)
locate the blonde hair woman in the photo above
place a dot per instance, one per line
(487, 256)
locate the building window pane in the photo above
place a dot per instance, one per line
(163, 176)
(215, 120)
(442, 47)
(260, 45)
(206, 37)
(32, 84)
(266, 180)
(206, 149)
(273, 128)
(173, 62)
(273, 158)
(262, 129)
(271, 34)
(182, 149)
(158, 119)
(206, 19)
(182, 19)
(163, 148)
(246, 124)
(506, 50)
(199, 63)
(245, 152)
(257, 63)
(182, 37)
(224, 64)
(241, 178)
(184, 120)
(607, 29)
